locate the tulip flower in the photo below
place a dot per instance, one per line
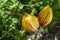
(45, 16)
(30, 22)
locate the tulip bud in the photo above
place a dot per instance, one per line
(45, 16)
(30, 22)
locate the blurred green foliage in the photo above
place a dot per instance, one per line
(8, 20)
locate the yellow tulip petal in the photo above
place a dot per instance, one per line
(45, 16)
(30, 22)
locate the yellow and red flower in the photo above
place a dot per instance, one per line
(30, 22)
(45, 16)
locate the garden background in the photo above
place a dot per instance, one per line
(11, 12)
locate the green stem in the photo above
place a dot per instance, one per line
(40, 29)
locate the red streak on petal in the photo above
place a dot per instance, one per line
(32, 27)
(44, 22)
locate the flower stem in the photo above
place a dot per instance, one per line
(39, 31)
